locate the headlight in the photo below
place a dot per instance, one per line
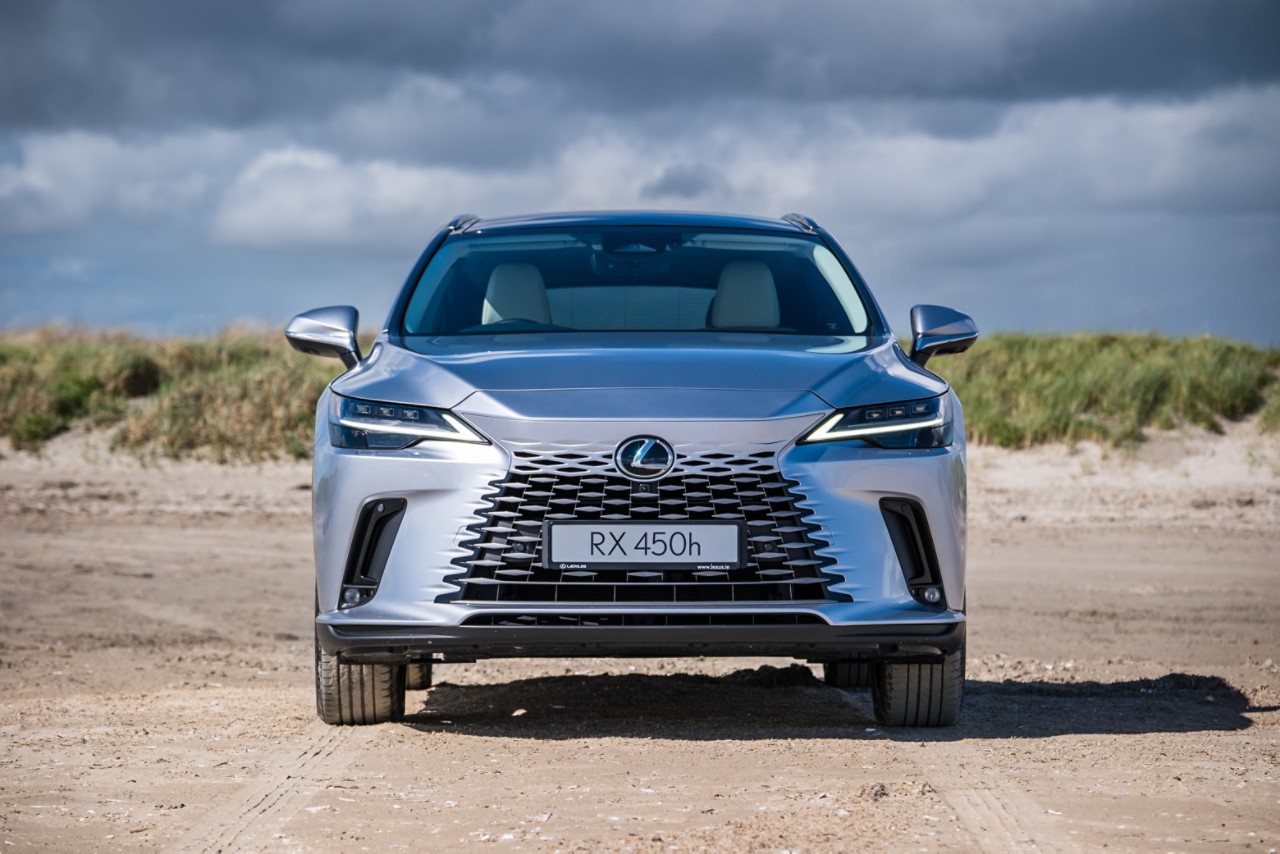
(910, 424)
(367, 425)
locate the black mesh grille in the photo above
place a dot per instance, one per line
(504, 563)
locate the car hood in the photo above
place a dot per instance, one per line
(626, 376)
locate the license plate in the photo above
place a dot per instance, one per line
(624, 545)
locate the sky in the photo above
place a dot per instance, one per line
(175, 168)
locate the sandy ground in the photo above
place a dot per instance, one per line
(156, 688)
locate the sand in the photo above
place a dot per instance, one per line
(156, 688)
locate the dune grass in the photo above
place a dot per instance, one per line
(1020, 390)
(239, 396)
(245, 395)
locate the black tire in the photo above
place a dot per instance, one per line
(417, 676)
(919, 695)
(355, 694)
(847, 674)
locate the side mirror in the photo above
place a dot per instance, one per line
(329, 331)
(937, 330)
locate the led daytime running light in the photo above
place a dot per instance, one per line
(460, 433)
(825, 432)
(351, 418)
(904, 425)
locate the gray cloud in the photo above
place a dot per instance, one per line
(503, 122)
(159, 64)
(685, 181)
(1059, 164)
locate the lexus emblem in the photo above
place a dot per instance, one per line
(644, 457)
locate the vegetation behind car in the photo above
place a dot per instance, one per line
(241, 396)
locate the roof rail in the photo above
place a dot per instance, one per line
(462, 222)
(801, 221)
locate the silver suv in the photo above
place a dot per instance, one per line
(638, 434)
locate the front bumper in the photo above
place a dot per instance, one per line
(417, 612)
(921, 642)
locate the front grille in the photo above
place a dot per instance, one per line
(504, 563)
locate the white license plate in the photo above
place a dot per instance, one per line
(602, 545)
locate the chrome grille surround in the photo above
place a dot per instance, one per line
(549, 482)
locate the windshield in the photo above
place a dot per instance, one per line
(632, 278)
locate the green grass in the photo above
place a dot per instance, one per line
(1020, 390)
(239, 396)
(1270, 419)
(248, 396)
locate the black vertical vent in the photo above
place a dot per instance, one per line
(371, 543)
(909, 532)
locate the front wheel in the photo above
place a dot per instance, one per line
(355, 694)
(919, 695)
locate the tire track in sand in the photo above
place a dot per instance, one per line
(257, 808)
(995, 813)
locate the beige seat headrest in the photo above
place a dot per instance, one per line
(745, 298)
(515, 291)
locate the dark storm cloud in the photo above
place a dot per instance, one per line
(1007, 49)
(1151, 48)
(156, 63)
(1028, 161)
(159, 64)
